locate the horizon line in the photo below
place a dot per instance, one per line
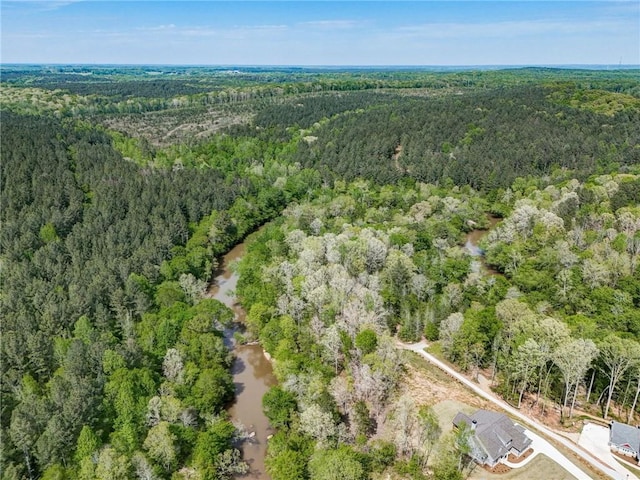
(266, 65)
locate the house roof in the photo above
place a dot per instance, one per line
(461, 418)
(623, 434)
(495, 432)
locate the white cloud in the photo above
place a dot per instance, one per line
(29, 36)
(333, 24)
(207, 31)
(158, 28)
(39, 5)
(507, 29)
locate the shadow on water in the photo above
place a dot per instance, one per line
(239, 387)
(471, 245)
(238, 366)
(252, 372)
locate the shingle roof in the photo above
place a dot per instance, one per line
(623, 434)
(461, 418)
(495, 432)
(521, 442)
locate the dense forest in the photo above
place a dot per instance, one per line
(485, 139)
(105, 267)
(121, 189)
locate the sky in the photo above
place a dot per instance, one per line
(304, 33)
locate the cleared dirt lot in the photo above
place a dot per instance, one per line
(429, 386)
(168, 127)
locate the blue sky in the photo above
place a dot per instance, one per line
(321, 33)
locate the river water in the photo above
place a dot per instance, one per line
(471, 244)
(252, 372)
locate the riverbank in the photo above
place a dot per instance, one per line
(252, 371)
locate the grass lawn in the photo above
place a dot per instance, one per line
(540, 468)
(435, 349)
(446, 410)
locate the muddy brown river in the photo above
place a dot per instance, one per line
(471, 244)
(252, 372)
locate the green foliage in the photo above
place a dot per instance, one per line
(126, 396)
(48, 233)
(160, 443)
(169, 293)
(56, 472)
(288, 465)
(362, 419)
(366, 341)
(112, 466)
(340, 464)
(598, 101)
(431, 331)
(91, 226)
(211, 443)
(447, 469)
(279, 406)
(627, 194)
(288, 455)
(112, 361)
(485, 138)
(135, 149)
(212, 389)
(413, 469)
(381, 455)
(88, 444)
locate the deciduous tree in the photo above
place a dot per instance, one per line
(618, 355)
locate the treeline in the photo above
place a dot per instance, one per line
(113, 90)
(337, 79)
(309, 109)
(113, 363)
(485, 139)
(84, 233)
(123, 89)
